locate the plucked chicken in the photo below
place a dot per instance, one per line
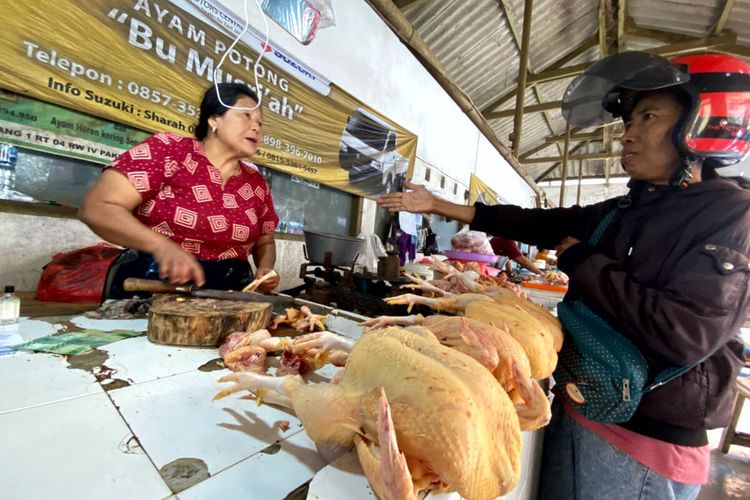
(494, 348)
(453, 429)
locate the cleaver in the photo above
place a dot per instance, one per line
(156, 286)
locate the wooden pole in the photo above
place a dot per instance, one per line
(564, 165)
(580, 178)
(528, 7)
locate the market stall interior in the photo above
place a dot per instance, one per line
(329, 276)
(360, 378)
(270, 358)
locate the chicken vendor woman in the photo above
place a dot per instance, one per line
(190, 210)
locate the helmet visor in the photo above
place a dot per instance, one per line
(592, 97)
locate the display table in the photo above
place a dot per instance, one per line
(135, 420)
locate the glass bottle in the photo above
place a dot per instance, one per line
(10, 306)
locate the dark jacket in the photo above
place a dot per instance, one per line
(672, 276)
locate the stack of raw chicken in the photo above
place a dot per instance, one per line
(431, 403)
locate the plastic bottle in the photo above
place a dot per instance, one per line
(8, 159)
(10, 306)
(552, 258)
(540, 259)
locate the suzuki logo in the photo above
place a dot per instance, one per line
(266, 47)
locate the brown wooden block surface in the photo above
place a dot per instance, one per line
(180, 320)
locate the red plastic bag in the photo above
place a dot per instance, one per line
(77, 276)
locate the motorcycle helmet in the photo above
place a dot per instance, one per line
(714, 90)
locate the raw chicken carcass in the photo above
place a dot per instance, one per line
(547, 319)
(471, 241)
(495, 348)
(463, 279)
(456, 430)
(248, 358)
(537, 341)
(538, 345)
(246, 351)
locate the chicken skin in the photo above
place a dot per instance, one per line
(455, 429)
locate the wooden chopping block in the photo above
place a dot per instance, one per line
(191, 321)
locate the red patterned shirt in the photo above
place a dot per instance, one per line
(183, 198)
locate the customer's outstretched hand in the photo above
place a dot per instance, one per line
(418, 200)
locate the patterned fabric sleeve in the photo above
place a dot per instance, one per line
(268, 219)
(144, 165)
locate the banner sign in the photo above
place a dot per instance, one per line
(146, 64)
(482, 193)
(53, 129)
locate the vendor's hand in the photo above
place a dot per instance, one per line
(268, 285)
(419, 200)
(178, 266)
(565, 244)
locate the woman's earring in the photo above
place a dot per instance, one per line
(213, 129)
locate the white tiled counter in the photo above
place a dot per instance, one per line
(135, 420)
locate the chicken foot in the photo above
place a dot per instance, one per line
(423, 284)
(265, 387)
(311, 321)
(334, 348)
(257, 282)
(386, 321)
(302, 320)
(454, 303)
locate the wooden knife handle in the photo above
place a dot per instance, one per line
(141, 285)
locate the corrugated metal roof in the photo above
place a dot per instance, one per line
(684, 17)
(739, 21)
(475, 41)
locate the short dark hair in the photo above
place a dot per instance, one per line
(211, 106)
(630, 100)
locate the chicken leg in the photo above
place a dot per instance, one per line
(384, 465)
(452, 422)
(534, 412)
(453, 303)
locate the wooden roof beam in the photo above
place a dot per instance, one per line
(585, 157)
(405, 5)
(608, 26)
(532, 108)
(665, 37)
(736, 49)
(528, 9)
(675, 49)
(509, 16)
(622, 14)
(553, 167)
(406, 32)
(587, 45)
(723, 17)
(588, 136)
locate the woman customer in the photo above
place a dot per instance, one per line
(670, 272)
(190, 210)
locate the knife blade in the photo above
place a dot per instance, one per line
(155, 286)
